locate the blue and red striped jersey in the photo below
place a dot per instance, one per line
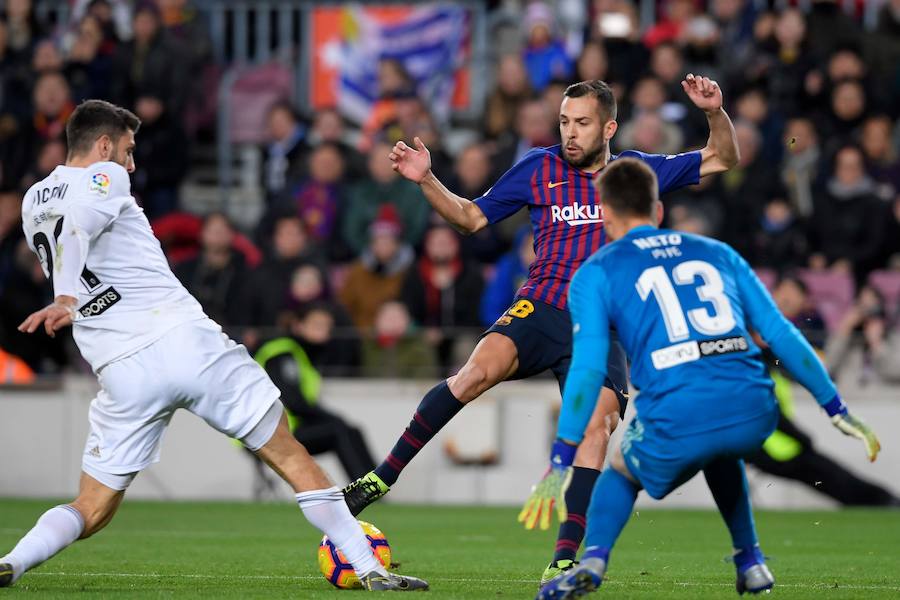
(565, 210)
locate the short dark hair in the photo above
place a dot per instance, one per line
(599, 90)
(95, 118)
(629, 187)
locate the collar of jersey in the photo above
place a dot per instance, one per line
(641, 229)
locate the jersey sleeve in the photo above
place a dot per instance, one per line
(673, 171)
(105, 190)
(512, 191)
(783, 338)
(590, 333)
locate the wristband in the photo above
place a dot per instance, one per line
(835, 407)
(562, 454)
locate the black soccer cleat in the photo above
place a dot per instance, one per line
(363, 492)
(375, 582)
(6, 575)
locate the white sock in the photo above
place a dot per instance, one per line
(57, 528)
(327, 510)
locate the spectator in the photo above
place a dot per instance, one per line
(786, 67)
(882, 48)
(647, 132)
(794, 301)
(184, 23)
(27, 290)
(671, 27)
(287, 151)
(847, 223)
(617, 27)
(50, 154)
(23, 28)
(291, 369)
(115, 17)
(328, 337)
(151, 64)
(866, 327)
(471, 178)
(592, 63)
(508, 277)
(847, 112)
(753, 107)
(746, 188)
(89, 69)
(511, 90)
(780, 241)
(328, 126)
(318, 198)
(800, 168)
(700, 41)
(882, 163)
(377, 275)
(10, 233)
(215, 277)
(394, 81)
(535, 126)
(394, 348)
(383, 186)
(334, 348)
(735, 20)
(440, 292)
(46, 57)
(53, 104)
(161, 157)
(830, 28)
(544, 55)
(267, 286)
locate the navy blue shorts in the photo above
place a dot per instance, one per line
(543, 338)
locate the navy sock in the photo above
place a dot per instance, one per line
(436, 409)
(728, 484)
(610, 509)
(578, 496)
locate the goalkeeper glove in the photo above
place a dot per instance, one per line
(850, 425)
(550, 491)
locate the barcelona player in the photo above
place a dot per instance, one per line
(683, 306)
(534, 335)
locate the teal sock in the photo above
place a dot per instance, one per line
(610, 509)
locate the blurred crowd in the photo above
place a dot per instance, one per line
(349, 259)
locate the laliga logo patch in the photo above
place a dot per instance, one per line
(99, 183)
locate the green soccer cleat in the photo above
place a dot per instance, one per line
(576, 582)
(364, 491)
(6, 575)
(375, 582)
(557, 569)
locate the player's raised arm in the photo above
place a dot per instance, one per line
(415, 164)
(798, 356)
(721, 151)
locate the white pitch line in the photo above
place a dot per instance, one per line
(616, 582)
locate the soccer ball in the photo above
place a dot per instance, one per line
(338, 570)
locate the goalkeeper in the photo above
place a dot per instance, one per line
(683, 306)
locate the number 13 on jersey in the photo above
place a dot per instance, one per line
(656, 280)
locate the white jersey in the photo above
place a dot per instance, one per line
(95, 243)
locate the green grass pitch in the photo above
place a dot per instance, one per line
(226, 550)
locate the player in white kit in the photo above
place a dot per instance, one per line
(153, 350)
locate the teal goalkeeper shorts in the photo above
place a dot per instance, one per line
(662, 462)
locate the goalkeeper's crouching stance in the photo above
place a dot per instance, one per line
(683, 306)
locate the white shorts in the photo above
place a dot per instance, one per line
(194, 366)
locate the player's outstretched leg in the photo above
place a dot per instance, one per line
(492, 361)
(611, 503)
(588, 461)
(60, 527)
(728, 483)
(322, 502)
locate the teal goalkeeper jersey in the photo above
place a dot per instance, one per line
(683, 306)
